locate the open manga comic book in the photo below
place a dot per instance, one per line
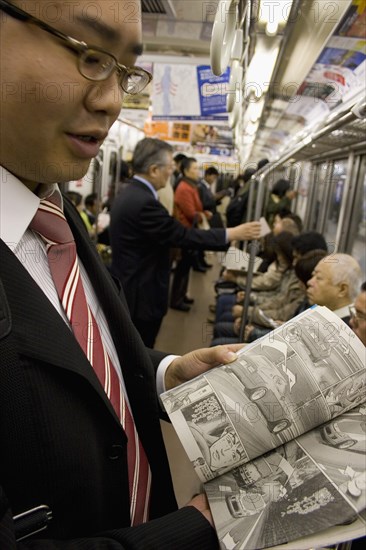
(279, 436)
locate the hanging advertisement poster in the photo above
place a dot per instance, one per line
(168, 131)
(187, 92)
(339, 69)
(214, 139)
(212, 90)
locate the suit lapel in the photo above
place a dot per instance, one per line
(138, 373)
(38, 328)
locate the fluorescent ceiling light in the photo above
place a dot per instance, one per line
(261, 67)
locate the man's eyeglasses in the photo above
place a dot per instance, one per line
(356, 314)
(93, 62)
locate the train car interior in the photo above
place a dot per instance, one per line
(236, 81)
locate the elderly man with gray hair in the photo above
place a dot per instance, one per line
(335, 283)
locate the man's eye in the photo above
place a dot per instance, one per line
(93, 59)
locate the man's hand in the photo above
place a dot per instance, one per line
(197, 362)
(200, 502)
(244, 232)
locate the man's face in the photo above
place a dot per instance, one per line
(211, 178)
(224, 452)
(162, 172)
(358, 323)
(53, 120)
(321, 289)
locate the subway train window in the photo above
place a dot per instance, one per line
(336, 193)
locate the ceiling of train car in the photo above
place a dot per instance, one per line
(292, 102)
(178, 27)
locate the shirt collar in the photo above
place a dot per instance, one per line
(148, 184)
(18, 206)
(342, 311)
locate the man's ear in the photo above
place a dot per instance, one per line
(152, 171)
(343, 290)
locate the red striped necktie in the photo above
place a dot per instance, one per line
(50, 223)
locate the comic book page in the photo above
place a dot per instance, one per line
(296, 378)
(305, 486)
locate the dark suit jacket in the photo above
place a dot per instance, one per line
(207, 197)
(142, 231)
(61, 443)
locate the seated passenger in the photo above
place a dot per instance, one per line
(303, 269)
(280, 306)
(311, 240)
(291, 223)
(266, 283)
(335, 283)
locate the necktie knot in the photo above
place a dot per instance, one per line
(50, 223)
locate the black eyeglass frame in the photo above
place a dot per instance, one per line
(355, 315)
(79, 47)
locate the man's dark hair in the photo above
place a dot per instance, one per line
(248, 174)
(283, 212)
(75, 197)
(282, 244)
(124, 171)
(186, 164)
(90, 199)
(179, 157)
(363, 287)
(280, 188)
(311, 240)
(262, 163)
(211, 171)
(305, 266)
(149, 151)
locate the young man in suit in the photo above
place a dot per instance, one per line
(142, 232)
(79, 409)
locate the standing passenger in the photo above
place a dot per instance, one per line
(142, 232)
(188, 210)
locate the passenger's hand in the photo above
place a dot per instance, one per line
(237, 325)
(197, 362)
(248, 331)
(237, 311)
(240, 296)
(201, 503)
(245, 232)
(229, 276)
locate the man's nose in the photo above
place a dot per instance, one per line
(105, 96)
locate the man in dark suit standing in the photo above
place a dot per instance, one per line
(142, 231)
(63, 439)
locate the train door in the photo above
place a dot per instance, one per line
(109, 172)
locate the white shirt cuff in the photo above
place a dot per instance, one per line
(160, 373)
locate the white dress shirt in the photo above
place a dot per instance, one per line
(18, 206)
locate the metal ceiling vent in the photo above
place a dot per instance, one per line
(159, 7)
